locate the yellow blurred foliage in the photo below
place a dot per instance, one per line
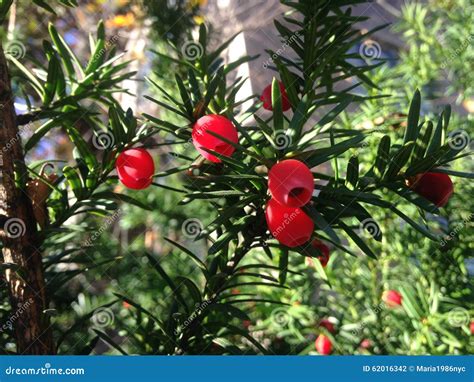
(469, 105)
(197, 3)
(198, 19)
(121, 21)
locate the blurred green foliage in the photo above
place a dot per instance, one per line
(431, 276)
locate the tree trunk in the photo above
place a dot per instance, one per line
(21, 252)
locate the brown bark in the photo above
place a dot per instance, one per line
(21, 250)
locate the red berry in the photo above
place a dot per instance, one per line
(471, 327)
(366, 344)
(291, 183)
(392, 298)
(324, 249)
(203, 139)
(135, 168)
(290, 226)
(325, 323)
(323, 345)
(434, 186)
(266, 98)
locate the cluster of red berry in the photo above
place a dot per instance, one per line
(135, 167)
(323, 343)
(291, 185)
(290, 181)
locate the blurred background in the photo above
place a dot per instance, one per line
(427, 45)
